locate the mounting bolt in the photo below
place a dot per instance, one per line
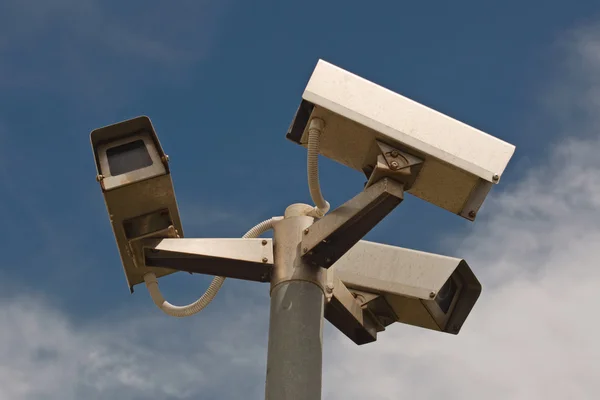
(394, 165)
(431, 295)
(264, 242)
(99, 178)
(165, 158)
(472, 214)
(306, 231)
(495, 178)
(394, 153)
(304, 250)
(265, 260)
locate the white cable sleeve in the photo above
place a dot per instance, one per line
(315, 128)
(197, 306)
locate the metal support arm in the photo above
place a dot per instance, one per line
(248, 259)
(332, 236)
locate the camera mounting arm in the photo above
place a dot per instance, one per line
(247, 259)
(331, 237)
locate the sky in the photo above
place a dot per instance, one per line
(221, 81)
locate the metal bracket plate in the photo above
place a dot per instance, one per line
(136, 244)
(377, 306)
(345, 313)
(395, 164)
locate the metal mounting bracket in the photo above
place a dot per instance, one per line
(332, 236)
(346, 313)
(135, 248)
(377, 307)
(247, 259)
(395, 164)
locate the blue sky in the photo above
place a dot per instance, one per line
(221, 82)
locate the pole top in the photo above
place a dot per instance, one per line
(297, 210)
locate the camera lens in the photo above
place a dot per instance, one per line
(128, 157)
(446, 295)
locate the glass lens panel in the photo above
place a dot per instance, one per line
(128, 157)
(446, 295)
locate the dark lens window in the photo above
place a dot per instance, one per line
(128, 157)
(446, 295)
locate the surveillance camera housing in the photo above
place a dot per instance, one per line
(460, 164)
(423, 289)
(134, 175)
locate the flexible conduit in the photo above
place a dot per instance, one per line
(315, 128)
(197, 306)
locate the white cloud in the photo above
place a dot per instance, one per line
(533, 333)
(531, 336)
(45, 356)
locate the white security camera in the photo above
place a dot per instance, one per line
(134, 175)
(368, 127)
(413, 287)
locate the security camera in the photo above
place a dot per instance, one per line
(380, 133)
(413, 287)
(134, 176)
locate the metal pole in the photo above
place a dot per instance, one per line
(295, 351)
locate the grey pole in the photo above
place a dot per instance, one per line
(295, 352)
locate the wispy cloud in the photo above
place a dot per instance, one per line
(45, 356)
(531, 336)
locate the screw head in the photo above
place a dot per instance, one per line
(306, 231)
(265, 259)
(431, 295)
(472, 214)
(99, 177)
(394, 165)
(304, 250)
(264, 242)
(165, 158)
(495, 178)
(395, 153)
